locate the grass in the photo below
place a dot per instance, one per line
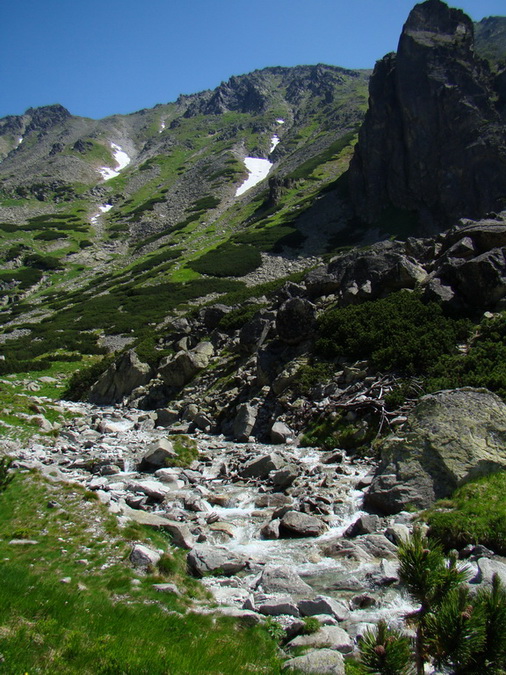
(186, 449)
(476, 514)
(98, 622)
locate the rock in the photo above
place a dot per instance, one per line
(296, 524)
(317, 662)
(280, 433)
(167, 588)
(384, 574)
(253, 334)
(276, 605)
(158, 454)
(271, 529)
(295, 320)
(154, 490)
(244, 422)
(142, 556)
(282, 579)
(323, 604)
(366, 524)
(120, 379)
(432, 140)
(165, 417)
(487, 568)
(377, 545)
(450, 438)
(261, 467)
(332, 637)
(176, 371)
(181, 535)
(209, 560)
(285, 476)
(397, 533)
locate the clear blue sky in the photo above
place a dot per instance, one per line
(100, 57)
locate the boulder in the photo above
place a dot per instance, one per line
(366, 524)
(449, 438)
(333, 637)
(317, 662)
(158, 454)
(142, 556)
(285, 476)
(297, 524)
(282, 579)
(176, 371)
(323, 604)
(276, 605)
(244, 422)
(260, 467)
(487, 568)
(280, 433)
(120, 379)
(206, 560)
(254, 333)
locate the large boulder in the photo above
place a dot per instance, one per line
(449, 438)
(317, 662)
(297, 524)
(206, 560)
(295, 320)
(177, 371)
(120, 379)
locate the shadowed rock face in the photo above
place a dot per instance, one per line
(433, 140)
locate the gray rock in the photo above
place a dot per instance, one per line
(366, 524)
(296, 524)
(209, 560)
(120, 379)
(176, 371)
(167, 588)
(285, 476)
(317, 662)
(165, 417)
(295, 320)
(332, 637)
(244, 422)
(282, 579)
(142, 556)
(260, 467)
(486, 570)
(271, 529)
(276, 605)
(323, 604)
(450, 438)
(280, 433)
(158, 453)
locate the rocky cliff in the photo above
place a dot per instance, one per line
(433, 140)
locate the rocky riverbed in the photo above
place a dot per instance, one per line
(272, 531)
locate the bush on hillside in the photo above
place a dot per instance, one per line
(398, 333)
(228, 260)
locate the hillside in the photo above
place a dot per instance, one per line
(254, 337)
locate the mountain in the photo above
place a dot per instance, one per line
(433, 142)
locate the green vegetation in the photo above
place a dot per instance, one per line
(385, 651)
(236, 319)
(475, 514)
(305, 170)
(335, 431)
(186, 449)
(398, 333)
(228, 260)
(105, 616)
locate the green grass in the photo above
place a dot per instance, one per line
(186, 449)
(99, 622)
(476, 514)
(228, 260)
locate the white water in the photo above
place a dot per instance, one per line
(122, 160)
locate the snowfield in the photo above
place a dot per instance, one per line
(258, 168)
(121, 159)
(102, 209)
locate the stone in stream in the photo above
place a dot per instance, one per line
(323, 604)
(317, 662)
(282, 579)
(276, 604)
(285, 476)
(281, 433)
(210, 560)
(260, 467)
(271, 529)
(296, 524)
(159, 452)
(332, 637)
(366, 524)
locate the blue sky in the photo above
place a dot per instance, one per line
(100, 57)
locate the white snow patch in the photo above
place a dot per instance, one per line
(274, 142)
(102, 209)
(162, 127)
(20, 140)
(280, 121)
(122, 160)
(258, 170)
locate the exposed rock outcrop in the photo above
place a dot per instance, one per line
(432, 141)
(118, 381)
(450, 438)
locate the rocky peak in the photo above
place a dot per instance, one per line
(45, 117)
(433, 140)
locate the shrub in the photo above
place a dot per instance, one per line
(228, 260)
(6, 477)
(80, 382)
(398, 333)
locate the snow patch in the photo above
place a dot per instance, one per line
(20, 140)
(122, 160)
(274, 142)
(102, 209)
(280, 121)
(258, 170)
(162, 127)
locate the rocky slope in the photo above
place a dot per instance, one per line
(433, 141)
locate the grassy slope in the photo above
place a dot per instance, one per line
(105, 617)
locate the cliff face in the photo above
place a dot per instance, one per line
(433, 140)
